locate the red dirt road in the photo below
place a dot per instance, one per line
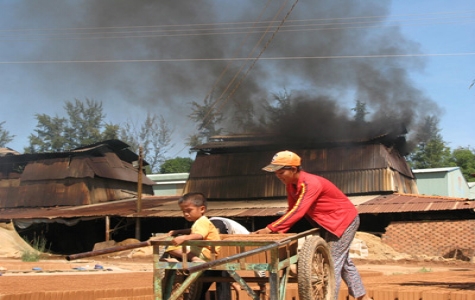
(134, 280)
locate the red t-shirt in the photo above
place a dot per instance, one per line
(321, 201)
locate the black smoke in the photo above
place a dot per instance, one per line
(161, 55)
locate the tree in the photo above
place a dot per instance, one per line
(154, 136)
(5, 136)
(465, 159)
(176, 165)
(207, 118)
(278, 110)
(50, 135)
(431, 151)
(360, 111)
(86, 120)
(84, 125)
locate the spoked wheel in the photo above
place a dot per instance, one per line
(192, 293)
(316, 275)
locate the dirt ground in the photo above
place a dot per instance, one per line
(130, 273)
(113, 276)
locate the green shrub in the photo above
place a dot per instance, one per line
(424, 270)
(39, 244)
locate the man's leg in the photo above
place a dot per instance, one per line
(344, 267)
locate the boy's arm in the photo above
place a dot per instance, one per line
(182, 238)
(179, 231)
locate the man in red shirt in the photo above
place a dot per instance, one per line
(325, 206)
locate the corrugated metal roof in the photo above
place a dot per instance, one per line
(363, 169)
(166, 178)
(160, 206)
(124, 208)
(121, 149)
(152, 206)
(8, 151)
(434, 170)
(223, 142)
(79, 177)
(399, 203)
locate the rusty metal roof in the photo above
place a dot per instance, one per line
(160, 206)
(230, 143)
(121, 149)
(152, 206)
(399, 203)
(360, 169)
(8, 151)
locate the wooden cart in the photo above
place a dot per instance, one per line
(239, 254)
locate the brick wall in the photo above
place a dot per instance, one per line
(433, 238)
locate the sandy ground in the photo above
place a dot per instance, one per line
(382, 269)
(120, 273)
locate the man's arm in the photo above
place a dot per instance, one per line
(308, 194)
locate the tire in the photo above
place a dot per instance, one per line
(316, 275)
(177, 280)
(192, 293)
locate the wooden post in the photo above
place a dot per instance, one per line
(139, 195)
(107, 228)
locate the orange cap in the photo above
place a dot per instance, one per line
(283, 159)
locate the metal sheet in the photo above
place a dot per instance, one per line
(399, 203)
(165, 207)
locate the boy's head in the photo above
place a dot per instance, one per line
(193, 206)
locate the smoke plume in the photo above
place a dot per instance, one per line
(158, 56)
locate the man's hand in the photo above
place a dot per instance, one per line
(262, 231)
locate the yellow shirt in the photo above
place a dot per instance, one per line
(206, 229)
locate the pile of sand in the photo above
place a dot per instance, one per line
(12, 245)
(377, 250)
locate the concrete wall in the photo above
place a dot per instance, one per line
(433, 238)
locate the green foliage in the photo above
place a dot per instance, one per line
(425, 270)
(154, 136)
(278, 110)
(176, 165)
(83, 126)
(39, 244)
(5, 136)
(208, 118)
(360, 111)
(465, 159)
(431, 151)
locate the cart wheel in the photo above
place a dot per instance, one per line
(192, 293)
(177, 280)
(316, 275)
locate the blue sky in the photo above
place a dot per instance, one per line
(447, 77)
(55, 51)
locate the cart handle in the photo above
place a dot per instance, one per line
(276, 244)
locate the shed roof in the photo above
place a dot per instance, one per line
(398, 203)
(121, 149)
(356, 170)
(163, 206)
(435, 170)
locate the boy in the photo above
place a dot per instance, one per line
(193, 206)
